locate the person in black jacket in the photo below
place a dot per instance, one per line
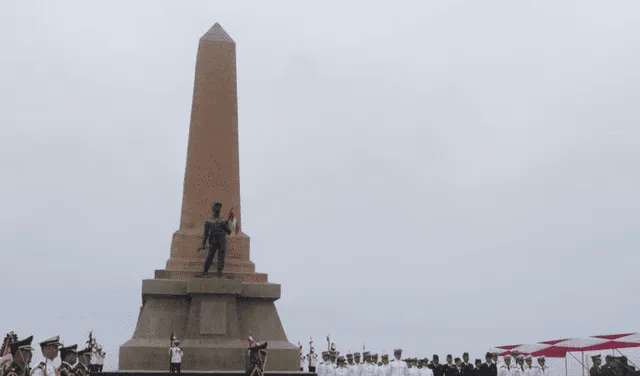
(494, 364)
(485, 368)
(436, 367)
(467, 368)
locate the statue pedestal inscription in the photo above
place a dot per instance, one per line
(212, 317)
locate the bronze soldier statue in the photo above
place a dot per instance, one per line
(215, 234)
(21, 352)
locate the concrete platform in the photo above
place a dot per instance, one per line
(199, 373)
(212, 317)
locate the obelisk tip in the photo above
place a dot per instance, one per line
(217, 34)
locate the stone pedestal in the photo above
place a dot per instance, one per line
(212, 318)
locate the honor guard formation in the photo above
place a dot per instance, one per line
(17, 354)
(332, 363)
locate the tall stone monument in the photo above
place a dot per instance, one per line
(212, 317)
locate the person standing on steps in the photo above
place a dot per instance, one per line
(176, 357)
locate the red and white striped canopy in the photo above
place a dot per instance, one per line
(560, 347)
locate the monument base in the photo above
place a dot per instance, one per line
(212, 318)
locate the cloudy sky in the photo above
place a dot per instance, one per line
(439, 175)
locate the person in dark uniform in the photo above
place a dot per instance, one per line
(595, 369)
(608, 368)
(21, 351)
(485, 368)
(457, 367)
(477, 370)
(467, 367)
(450, 368)
(69, 357)
(84, 358)
(494, 364)
(437, 368)
(256, 359)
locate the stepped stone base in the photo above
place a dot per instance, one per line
(212, 317)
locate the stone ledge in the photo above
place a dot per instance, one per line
(186, 275)
(222, 286)
(163, 287)
(271, 291)
(218, 286)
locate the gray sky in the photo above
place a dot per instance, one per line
(437, 175)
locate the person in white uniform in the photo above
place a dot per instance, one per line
(506, 369)
(384, 366)
(303, 358)
(367, 367)
(356, 369)
(49, 349)
(518, 369)
(414, 370)
(320, 369)
(101, 356)
(540, 369)
(425, 370)
(312, 358)
(341, 367)
(527, 365)
(176, 357)
(397, 367)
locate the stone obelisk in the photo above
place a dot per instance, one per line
(212, 317)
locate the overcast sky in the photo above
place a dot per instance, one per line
(439, 176)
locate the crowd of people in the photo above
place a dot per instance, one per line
(17, 355)
(514, 364)
(371, 364)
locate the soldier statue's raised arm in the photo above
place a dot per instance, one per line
(215, 234)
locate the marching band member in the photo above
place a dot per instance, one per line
(49, 348)
(21, 352)
(69, 357)
(82, 369)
